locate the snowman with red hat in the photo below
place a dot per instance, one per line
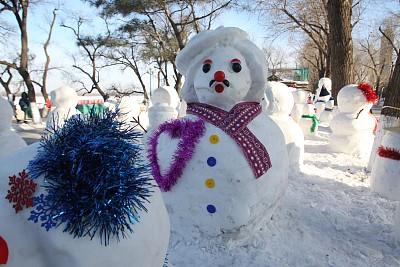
(353, 126)
(224, 166)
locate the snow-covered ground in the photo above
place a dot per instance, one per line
(328, 217)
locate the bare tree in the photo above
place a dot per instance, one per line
(5, 82)
(302, 16)
(19, 9)
(43, 84)
(126, 56)
(92, 48)
(276, 57)
(370, 47)
(164, 26)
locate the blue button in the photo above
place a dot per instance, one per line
(211, 208)
(211, 161)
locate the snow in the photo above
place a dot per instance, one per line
(328, 217)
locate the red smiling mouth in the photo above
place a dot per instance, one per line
(219, 87)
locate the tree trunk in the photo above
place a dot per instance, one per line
(340, 44)
(6, 87)
(23, 67)
(392, 94)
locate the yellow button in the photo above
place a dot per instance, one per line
(214, 139)
(210, 183)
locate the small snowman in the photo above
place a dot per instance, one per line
(133, 112)
(165, 106)
(324, 102)
(64, 100)
(224, 166)
(353, 126)
(42, 225)
(309, 121)
(280, 105)
(10, 141)
(300, 104)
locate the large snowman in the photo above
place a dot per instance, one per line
(353, 126)
(43, 244)
(10, 141)
(280, 105)
(224, 166)
(64, 101)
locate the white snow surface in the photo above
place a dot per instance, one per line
(328, 217)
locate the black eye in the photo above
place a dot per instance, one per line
(206, 67)
(236, 67)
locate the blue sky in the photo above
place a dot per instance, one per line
(63, 44)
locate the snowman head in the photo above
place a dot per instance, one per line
(300, 96)
(6, 114)
(64, 98)
(280, 99)
(324, 89)
(222, 67)
(356, 98)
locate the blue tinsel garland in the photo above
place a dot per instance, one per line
(95, 178)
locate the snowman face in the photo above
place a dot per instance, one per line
(222, 78)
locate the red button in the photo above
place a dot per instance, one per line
(3, 251)
(219, 76)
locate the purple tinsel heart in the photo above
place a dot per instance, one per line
(189, 133)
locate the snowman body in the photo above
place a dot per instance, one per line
(307, 122)
(353, 125)
(397, 224)
(218, 191)
(280, 105)
(386, 168)
(64, 100)
(327, 114)
(29, 244)
(300, 99)
(10, 141)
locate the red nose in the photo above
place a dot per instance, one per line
(219, 76)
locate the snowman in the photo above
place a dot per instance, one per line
(133, 112)
(300, 105)
(353, 126)
(165, 106)
(10, 141)
(223, 167)
(280, 105)
(386, 167)
(309, 121)
(324, 102)
(64, 99)
(26, 243)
